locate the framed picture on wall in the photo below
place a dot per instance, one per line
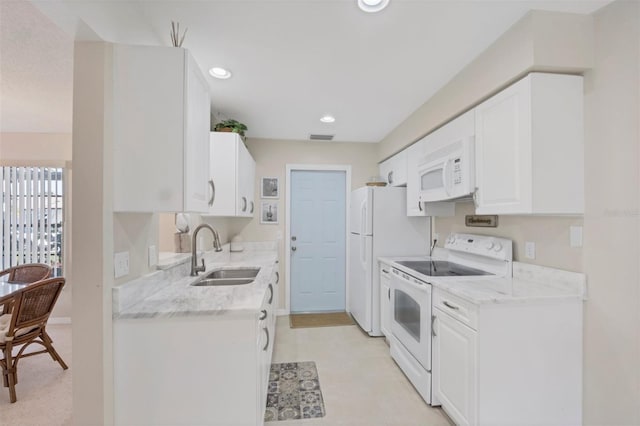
(269, 213)
(270, 187)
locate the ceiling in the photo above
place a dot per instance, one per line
(292, 60)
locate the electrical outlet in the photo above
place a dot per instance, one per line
(530, 250)
(575, 236)
(121, 264)
(153, 256)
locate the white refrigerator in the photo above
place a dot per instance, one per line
(379, 226)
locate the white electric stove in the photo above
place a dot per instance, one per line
(465, 256)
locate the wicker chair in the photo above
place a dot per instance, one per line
(26, 325)
(27, 273)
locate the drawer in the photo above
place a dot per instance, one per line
(460, 309)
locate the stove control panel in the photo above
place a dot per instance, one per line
(483, 245)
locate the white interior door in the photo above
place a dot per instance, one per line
(318, 240)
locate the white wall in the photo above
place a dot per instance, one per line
(612, 219)
(92, 272)
(542, 41)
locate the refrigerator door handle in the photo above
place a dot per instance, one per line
(363, 217)
(363, 258)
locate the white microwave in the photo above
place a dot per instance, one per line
(448, 173)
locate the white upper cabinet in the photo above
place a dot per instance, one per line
(529, 147)
(232, 180)
(394, 170)
(161, 114)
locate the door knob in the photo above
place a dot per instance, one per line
(294, 248)
(293, 238)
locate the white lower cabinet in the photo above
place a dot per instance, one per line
(508, 363)
(194, 370)
(454, 357)
(385, 299)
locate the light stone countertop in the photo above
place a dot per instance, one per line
(169, 293)
(530, 283)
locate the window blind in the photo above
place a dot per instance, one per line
(32, 216)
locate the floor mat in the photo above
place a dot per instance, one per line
(330, 319)
(294, 392)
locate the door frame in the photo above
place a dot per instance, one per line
(287, 243)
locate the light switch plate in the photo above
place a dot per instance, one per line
(530, 250)
(575, 236)
(121, 264)
(153, 256)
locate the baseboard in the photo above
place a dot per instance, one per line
(282, 312)
(59, 320)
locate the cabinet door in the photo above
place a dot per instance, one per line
(454, 368)
(148, 114)
(385, 299)
(503, 151)
(394, 170)
(223, 163)
(246, 174)
(196, 155)
(414, 153)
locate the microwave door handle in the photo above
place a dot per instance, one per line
(445, 176)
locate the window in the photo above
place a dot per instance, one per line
(32, 216)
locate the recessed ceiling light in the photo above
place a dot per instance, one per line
(220, 73)
(328, 119)
(372, 6)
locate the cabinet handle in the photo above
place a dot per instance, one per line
(264, 314)
(450, 306)
(271, 296)
(277, 277)
(419, 205)
(252, 207)
(385, 271)
(213, 192)
(475, 197)
(390, 177)
(266, 330)
(389, 293)
(433, 328)
(244, 204)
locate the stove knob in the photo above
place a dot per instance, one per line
(489, 245)
(497, 247)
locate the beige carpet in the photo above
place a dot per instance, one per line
(329, 319)
(43, 389)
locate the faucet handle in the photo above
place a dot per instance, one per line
(203, 267)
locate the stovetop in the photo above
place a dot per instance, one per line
(441, 268)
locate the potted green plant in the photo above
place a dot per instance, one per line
(230, 126)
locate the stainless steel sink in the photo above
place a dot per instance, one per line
(222, 281)
(234, 273)
(228, 276)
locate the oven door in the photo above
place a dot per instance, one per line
(411, 315)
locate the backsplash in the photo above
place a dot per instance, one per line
(549, 233)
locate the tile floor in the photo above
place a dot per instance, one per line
(360, 383)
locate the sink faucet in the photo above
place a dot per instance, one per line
(194, 254)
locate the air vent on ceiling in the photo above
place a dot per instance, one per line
(318, 137)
